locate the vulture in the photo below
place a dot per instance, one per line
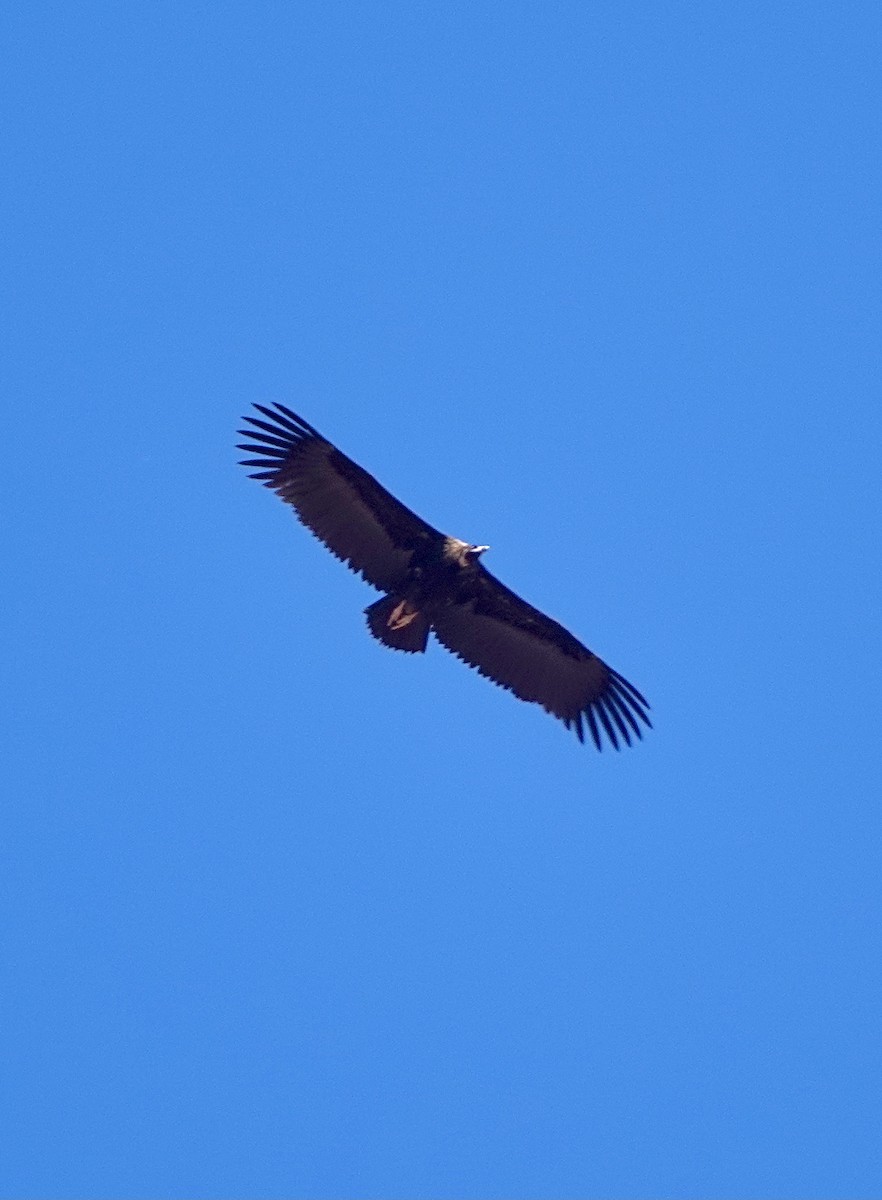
(438, 584)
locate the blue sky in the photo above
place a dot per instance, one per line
(285, 914)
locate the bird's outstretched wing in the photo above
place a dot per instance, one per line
(356, 518)
(521, 649)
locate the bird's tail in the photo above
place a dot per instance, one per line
(397, 623)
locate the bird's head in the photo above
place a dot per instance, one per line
(463, 554)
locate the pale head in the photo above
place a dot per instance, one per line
(464, 553)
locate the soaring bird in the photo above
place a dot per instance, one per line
(436, 583)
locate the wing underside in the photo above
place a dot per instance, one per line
(521, 649)
(344, 506)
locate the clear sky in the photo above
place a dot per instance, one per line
(285, 913)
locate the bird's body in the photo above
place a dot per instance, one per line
(441, 572)
(437, 583)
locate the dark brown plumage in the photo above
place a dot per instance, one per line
(437, 583)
